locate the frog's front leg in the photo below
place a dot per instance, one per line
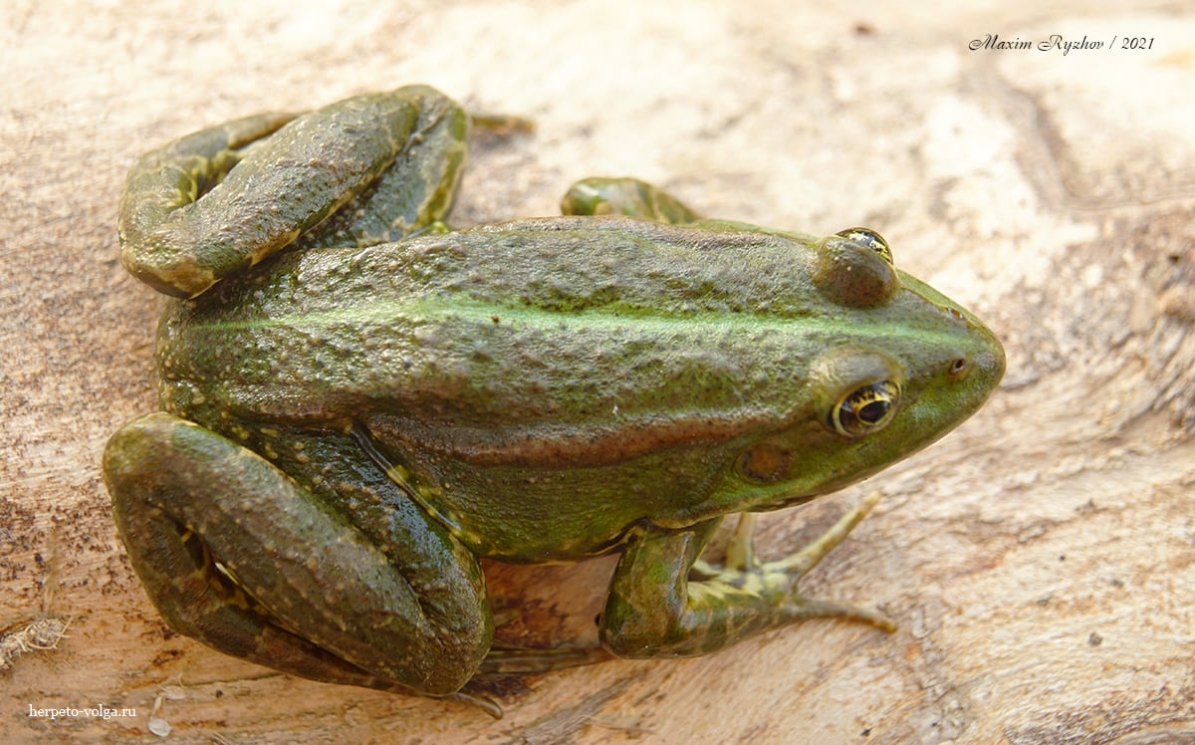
(625, 196)
(250, 560)
(198, 210)
(656, 608)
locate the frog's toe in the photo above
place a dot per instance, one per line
(800, 563)
(808, 608)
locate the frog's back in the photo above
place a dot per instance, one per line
(491, 339)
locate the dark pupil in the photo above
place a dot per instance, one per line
(873, 411)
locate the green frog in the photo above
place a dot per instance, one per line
(358, 403)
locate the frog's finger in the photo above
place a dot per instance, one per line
(501, 125)
(812, 608)
(283, 186)
(226, 544)
(740, 553)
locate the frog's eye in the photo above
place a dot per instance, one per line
(869, 238)
(866, 409)
(854, 268)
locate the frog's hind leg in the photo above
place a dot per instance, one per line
(236, 553)
(161, 191)
(168, 180)
(625, 196)
(182, 241)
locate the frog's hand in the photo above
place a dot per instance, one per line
(625, 196)
(655, 608)
(236, 554)
(285, 185)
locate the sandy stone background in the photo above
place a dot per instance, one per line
(1038, 561)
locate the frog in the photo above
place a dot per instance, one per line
(358, 404)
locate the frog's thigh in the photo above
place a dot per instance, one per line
(325, 602)
(417, 189)
(169, 178)
(284, 185)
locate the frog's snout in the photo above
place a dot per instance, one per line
(987, 364)
(993, 363)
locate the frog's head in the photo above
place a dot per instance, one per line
(893, 366)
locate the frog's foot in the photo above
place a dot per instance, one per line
(477, 700)
(505, 662)
(664, 602)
